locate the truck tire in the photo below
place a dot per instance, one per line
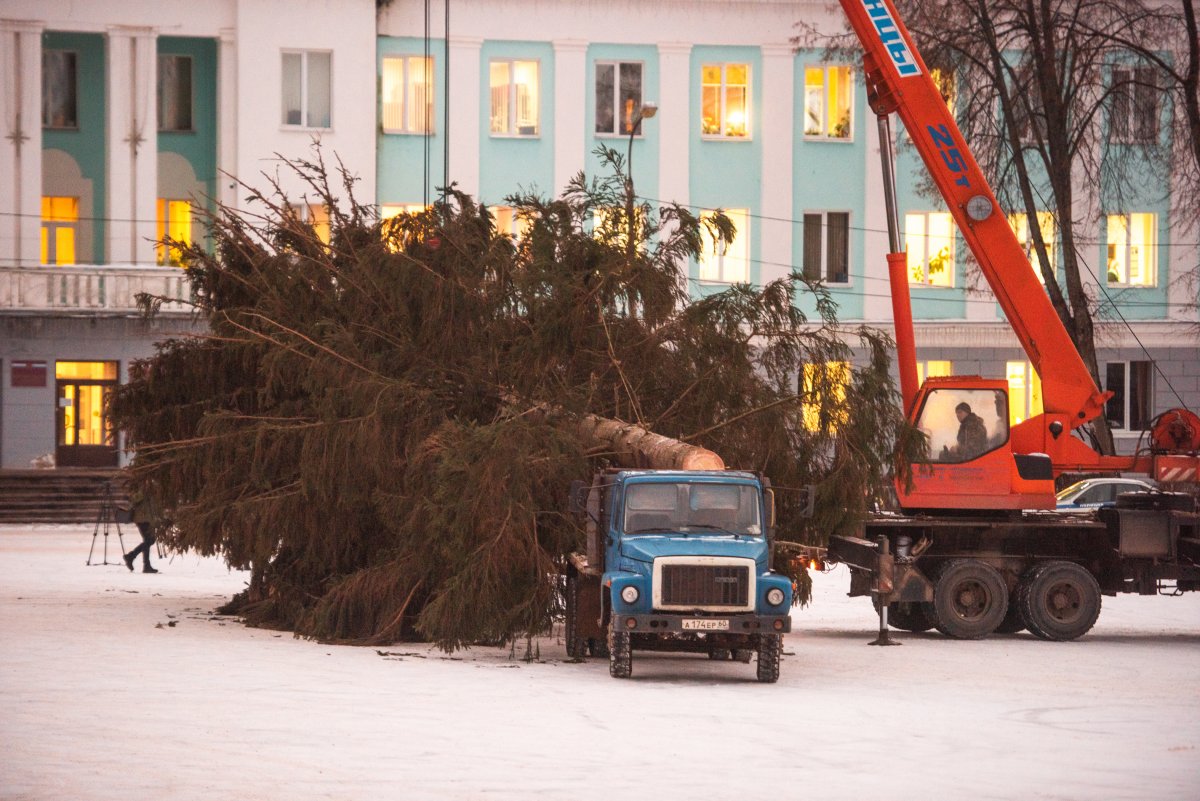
(911, 616)
(1013, 621)
(1059, 601)
(970, 599)
(620, 653)
(575, 644)
(770, 646)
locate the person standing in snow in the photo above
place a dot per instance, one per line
(145, 514)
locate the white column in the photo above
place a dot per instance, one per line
(227, 98)
(777, 131)
(20, 143)
(674, 133)
(570, 89)
(132, 145)
(465, 132)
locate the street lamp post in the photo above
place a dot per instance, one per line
(648, 110)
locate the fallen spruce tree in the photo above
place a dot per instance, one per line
(365, 427)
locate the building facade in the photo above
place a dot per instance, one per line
(499, 97)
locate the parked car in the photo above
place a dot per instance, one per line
(1094, 493)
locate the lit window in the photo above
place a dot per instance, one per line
(514, 86)
(84, 393)
(933, 369)
(828, 100)
(1132, 251)
(725, 101)
(307, 89)
(59, 99)
(507, 221)
(1020, 226)
(727, 261)
(618, 96)
(1135, 114)
(60, 218)
(612, 222)
(1129, 407)
(316, 215)
(1024, 392)
(827, 246)
(174, 223)
(174, 93)
(407, 94)
(823, 410)
(390, 211)
(930, 239)
(947, 87)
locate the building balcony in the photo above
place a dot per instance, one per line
(103, 289)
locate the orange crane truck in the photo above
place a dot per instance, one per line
(965, 554)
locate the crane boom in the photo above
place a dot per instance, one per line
(898, 80)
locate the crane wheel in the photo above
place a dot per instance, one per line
(1059, 600)
(970, 599)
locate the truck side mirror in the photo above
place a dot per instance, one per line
(769, 500)
(577, 500)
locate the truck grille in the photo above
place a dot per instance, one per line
(705, 585)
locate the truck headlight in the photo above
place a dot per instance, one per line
(774, 596)
(630, 595)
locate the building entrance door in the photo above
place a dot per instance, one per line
(85, 434)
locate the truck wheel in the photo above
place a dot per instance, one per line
(970, 599)
(575, 644)
(769, 648)
(1013, 620)
(620, 653)
(1059, 601)
(909, 616)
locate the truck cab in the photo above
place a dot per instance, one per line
(677, 560)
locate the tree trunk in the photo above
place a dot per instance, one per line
(634, 446)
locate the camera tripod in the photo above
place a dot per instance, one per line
(106, 518)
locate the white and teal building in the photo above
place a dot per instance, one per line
(119, 116)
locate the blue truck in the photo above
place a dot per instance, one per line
(676, 560)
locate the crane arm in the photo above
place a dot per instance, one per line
(898, 80)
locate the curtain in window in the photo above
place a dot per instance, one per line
(58, 89)
(631, 95)
(837, 260)
(320, 85)
(1145, 105)
(174, 93)
(292, 82)
(812, 246)
(499, 87)
(605, 98)
(393, 94)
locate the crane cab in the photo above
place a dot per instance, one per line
(972, 464)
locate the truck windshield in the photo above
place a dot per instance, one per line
(692, 507)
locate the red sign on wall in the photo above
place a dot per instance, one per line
(28, 373)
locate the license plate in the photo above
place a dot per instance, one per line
(705, 624)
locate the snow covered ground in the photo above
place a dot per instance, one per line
(118, 685)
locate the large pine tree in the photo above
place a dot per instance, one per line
(363, 426)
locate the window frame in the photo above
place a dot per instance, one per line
(1019, 222)
(191, 92)
(716, 262)
(514, 129)
(618, 118)
(723, 102)
(1125, 395)
(925, 262)
(72, 90)
(824, 273)
(163, 222)
(50, 225)
(305, 110)
(826, 83)
(406, 99)
(1131, 91)
(1149, 281)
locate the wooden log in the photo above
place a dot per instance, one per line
(634, 446)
